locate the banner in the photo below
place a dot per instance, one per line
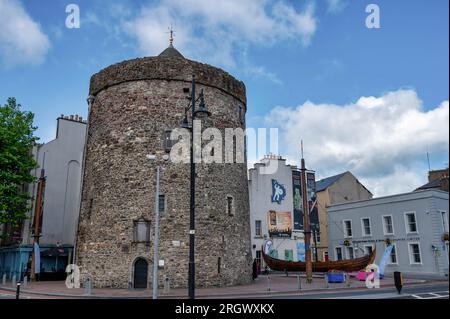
(384, 259)
(312, 201)
(280, 224)
(298, 202)
(37, 258)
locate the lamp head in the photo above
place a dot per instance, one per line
(202, 111)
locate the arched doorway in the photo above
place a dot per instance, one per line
(140, 274)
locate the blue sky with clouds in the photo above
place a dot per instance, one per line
(367, 100)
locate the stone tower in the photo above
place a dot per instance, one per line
(136, 104)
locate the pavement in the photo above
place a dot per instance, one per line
(278, 285)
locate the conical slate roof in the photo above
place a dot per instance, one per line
(171, 52)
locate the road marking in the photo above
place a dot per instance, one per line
(431, 295)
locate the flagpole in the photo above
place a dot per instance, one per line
(306, 225)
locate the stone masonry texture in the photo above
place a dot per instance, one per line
(136, 102)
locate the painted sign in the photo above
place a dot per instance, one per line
(298, 202)
(278, 192)
(280, 224)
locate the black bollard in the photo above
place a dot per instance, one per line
(18, 290)
(398, 280)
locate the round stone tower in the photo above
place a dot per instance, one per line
(137, 103)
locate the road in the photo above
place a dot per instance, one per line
(428, 291)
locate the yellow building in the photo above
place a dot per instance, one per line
(333, 190)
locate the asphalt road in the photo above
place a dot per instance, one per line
(430, 291)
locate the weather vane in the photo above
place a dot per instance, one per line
(171, 31)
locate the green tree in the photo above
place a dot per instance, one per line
(16, 161)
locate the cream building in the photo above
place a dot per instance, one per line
(334, 190)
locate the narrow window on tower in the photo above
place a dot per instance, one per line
(162, 204)
(230, 205)
(219, 260)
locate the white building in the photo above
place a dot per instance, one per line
(272, 214)
(61, 160)
(415, 224)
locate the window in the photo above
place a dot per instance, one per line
(288, 255)
(338, 253)
(393, 256)
(230, 205)
(348, 228)
(258, 256)
(366, 230)
(350, 253)
(444, 221)
(168, 142)
(274, 253)
(368, 249)
(162, 203)
(411, 223)
(414, 253)
(241, 114)
(258, 232)
(141, 230)
(318, 236)
(388, 227)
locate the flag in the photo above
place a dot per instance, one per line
(384, 259)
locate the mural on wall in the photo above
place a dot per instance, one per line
(298, 202)
(280, 224)
(278, 192)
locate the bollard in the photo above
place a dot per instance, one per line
(287, 274)
(398, 281)
(18, 290)
(299, 282)
(347, 279)
(14, 281)
(87, 287)
(25, 281)
(326, 281)
(166, 285)
(4, 280)
(268, 283)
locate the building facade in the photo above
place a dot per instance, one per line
(276, 209)
(333, 190)
(60, 159)
(415, 224)
(138, 103)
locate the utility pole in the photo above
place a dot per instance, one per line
(156, 245)
(306, 225)
(37, 221)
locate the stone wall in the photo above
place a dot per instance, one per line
(136, 102)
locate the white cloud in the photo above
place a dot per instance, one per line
(382, 140)
(21, 39)
(214, 31)
(336, 6)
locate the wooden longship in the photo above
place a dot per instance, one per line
(348, 265)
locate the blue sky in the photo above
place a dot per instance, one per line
(298, 59)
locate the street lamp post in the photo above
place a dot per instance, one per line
(200, 112)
